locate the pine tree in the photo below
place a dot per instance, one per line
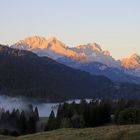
(22, 123)
(36, 114)
(52, 124)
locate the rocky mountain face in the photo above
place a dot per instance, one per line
(96, 68)
(55, 49)
(131, 65)
(132, 62)
(84, 57)
(46, 47)
(94, 53)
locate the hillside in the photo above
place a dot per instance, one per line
(24, 73)
(97, 68)
(127, 132)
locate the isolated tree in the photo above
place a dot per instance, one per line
(129, 116)
(52, 124)
(36, 114)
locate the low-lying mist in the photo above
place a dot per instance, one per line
(9, 103)
(21, 103)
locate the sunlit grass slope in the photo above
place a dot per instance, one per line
(128, 132)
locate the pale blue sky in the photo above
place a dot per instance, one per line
(114, 24)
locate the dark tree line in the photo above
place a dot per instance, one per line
(95, 113)
(18, 122)
(80, 115)
(71, 115)
(127, 112)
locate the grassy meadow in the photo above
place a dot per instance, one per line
(112, 132)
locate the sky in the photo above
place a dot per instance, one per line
(114, 24)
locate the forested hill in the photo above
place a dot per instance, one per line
(24, 73)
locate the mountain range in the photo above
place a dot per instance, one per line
(23, 73)
(89, 57)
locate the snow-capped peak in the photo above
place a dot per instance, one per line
(39, 42)
(91, 46)
(51, 47)
(106, 53)
(55, 49)
(33, 42)
(135, 56)
(132, 62)
(52, 39)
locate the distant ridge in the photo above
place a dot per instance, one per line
(24, 73)
(125, 70)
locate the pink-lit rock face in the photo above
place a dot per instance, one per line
(52, 44)
(94, 53)
(132, 62)
(106, 53)
(86, 53)
(34, 42)
(55, 49)
(93, 47)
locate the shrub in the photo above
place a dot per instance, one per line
(129, 116)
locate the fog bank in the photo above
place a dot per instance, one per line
(44, 109)
(9, 103)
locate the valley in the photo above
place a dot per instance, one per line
(70, 70)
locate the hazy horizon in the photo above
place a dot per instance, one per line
(113, 25)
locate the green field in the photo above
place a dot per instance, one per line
(127, 132)
(42, 123)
